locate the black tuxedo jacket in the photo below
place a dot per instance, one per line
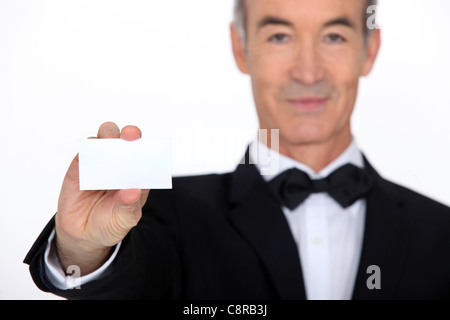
(224, 236)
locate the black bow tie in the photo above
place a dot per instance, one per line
(345, 185)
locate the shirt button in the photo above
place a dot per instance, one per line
(317, 240)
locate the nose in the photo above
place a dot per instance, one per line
(307, 67)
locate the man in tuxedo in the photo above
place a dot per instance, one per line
(323, 225)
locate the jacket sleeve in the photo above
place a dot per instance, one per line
(147, 265)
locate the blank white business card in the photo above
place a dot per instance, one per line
(113, 164)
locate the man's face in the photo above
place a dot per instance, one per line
(305, 59)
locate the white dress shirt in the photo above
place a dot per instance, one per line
(57, 276)
(328, 237)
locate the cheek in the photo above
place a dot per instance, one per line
(349, 91)
(344, 70)
(266, 70)
(267, 77)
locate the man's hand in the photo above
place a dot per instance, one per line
(89, 223)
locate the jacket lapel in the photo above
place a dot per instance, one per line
(385, 241)
(259, 218)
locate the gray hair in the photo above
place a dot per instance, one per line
(240, 18)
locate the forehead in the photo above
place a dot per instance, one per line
(305, 11)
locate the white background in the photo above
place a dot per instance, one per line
(67, 66)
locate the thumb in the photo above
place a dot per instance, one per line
(127, 209)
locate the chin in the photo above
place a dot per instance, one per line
(303, 134)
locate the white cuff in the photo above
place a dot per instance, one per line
(57, 276)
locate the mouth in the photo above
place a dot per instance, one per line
(308, 104)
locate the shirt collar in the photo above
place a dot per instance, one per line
(351, 155)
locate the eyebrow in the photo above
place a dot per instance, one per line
(269, 20)
(342, 21)
(273, 20)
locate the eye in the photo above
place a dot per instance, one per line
(279, 38)
(334, 38)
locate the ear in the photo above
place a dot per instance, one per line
(238, 49)
(371, 52)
